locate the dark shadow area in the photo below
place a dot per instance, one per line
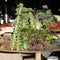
(56, 53)
(54, 5)
(33, 56)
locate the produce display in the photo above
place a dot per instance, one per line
(26, 28)
(32, 29)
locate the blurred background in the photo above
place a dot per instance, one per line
(11, 5)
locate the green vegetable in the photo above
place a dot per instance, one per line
(26, 26)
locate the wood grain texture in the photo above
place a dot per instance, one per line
(6, 56)
(18, 55)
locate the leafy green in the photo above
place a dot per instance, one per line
(26, 26)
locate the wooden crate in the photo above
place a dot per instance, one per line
(9, 56)
(18, 55)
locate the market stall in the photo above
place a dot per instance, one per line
(33, 31)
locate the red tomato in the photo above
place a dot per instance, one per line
(50, 26)
(58, 24)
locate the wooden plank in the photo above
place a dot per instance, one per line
(21, 57)
(24, 53)
(6, 56)
(15, 51)
(38, 56)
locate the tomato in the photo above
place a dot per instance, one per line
(58, 24)
(50, 26)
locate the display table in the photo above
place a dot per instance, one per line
(24, 53)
